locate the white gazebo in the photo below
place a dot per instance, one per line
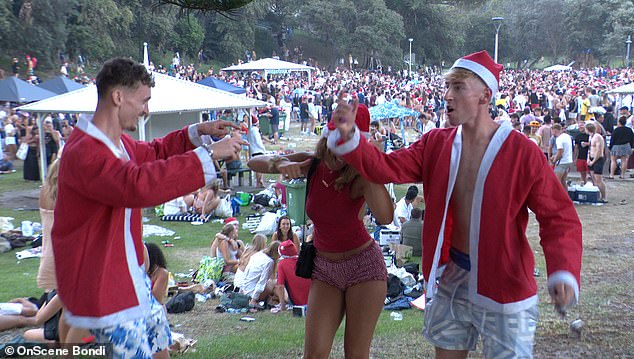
(174, 104)
(271, 66)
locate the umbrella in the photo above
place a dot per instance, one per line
(15, 90)
(60, 85)
(558, 68)
(391, 110)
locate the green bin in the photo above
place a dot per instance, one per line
(296, 201)
(282, 121)
(265, 125)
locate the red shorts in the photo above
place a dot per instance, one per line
(582, 166)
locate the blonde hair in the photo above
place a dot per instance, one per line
(50, 187)
(348, 174)
(458, 73)
(258, 243)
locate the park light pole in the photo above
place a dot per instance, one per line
(410, 56)
(627, 54)
(497, 22)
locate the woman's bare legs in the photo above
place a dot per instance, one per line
(323, 317)
(364, 303)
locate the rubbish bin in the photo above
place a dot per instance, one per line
(296, 201)
(265, 125)
(282, 122)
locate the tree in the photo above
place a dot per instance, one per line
(188, 35)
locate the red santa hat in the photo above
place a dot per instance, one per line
(232, 220)
(288, 249)
(481, 64)
(362, 121)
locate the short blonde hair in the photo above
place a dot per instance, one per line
(458, 73)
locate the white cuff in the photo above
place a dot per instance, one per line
(208, 164)
(564, 277)
(346, 147)
(194, 138)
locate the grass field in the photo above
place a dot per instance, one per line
(605, 307)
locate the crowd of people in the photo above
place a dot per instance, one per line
(552, 122)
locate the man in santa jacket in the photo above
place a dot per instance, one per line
(105, 179)
(479, 179)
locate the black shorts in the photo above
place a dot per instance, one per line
(597, 166)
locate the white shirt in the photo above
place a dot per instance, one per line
(255, 141)
(403, 209)
(428, 127)
(256, 275)
(564, 141)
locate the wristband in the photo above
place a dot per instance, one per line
(210, 150)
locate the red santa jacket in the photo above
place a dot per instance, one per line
(97, 234)
(513, 177)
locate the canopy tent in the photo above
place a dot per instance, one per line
(625, 89)
(15, 90)
(221, 85)
(174, 104)
(60, 85)
(271, 66)
(391, 110)
(558, 68)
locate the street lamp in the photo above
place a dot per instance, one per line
(410, 56)
(497, 22)
(627, 55)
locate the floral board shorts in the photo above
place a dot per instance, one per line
(139, 338)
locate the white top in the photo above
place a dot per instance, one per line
(255, 141)
(403, 209)
(565, 141)
(256, 275)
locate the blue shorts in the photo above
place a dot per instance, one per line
(139, 338)
(452, 322)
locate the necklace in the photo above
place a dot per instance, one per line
(323, 178)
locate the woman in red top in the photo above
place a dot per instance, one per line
(349, 275)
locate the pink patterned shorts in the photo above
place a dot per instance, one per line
(367, 265)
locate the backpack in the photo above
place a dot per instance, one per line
(235, 300)
(182, 302)
(262, 199)
(394, 286)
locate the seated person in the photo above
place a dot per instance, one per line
(280, 190)
(229, 249)
(259, 275)
(48, 319)
(257, 244)
(412, 232)
(405, 205)
(207, 199)
(156, 267)
(289, 286)
(285, 232)
(17, 313)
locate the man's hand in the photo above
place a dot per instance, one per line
(562, 296)
(293, 169)
(345, 114)
(218, 128)
(228, 148)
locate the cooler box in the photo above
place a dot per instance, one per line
(296, 201)
(584, 194)
(388, 237)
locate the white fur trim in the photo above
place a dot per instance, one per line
(194, 138)
(208, 164)
(346, 147)
(564, 277)
(484, 73)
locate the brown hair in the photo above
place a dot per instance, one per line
(228, 229)
(348, 174)
(591, 127)
(50, 187)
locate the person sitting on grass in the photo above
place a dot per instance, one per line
(259, 275)
(284, 232)
(206, 200)
(17, 313)
(157, 271)
(226, 246)
(289, 286)
(257, 244)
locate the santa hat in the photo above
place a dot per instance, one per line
(481, 64)
(288, 249)
(254, 120)
(232, 220)
(362, 121)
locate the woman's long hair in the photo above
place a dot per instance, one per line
(156, 257)
(50, 188)
(258, 244)
(348, 174)
(280, 234)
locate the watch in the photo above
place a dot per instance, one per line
(210, 150)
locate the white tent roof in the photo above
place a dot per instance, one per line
(625, 89)
(558, 68)
(269, 65)
(169, 95)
